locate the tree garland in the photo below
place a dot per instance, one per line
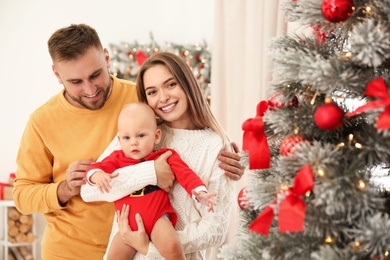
(128, 57)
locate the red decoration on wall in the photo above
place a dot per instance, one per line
(141, 57)
(292, 208)
(377, 88)
(328, 116)
(255, 140)
(336, 10)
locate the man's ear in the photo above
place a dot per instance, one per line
(158, 136)
(57, 74)
(107, 57)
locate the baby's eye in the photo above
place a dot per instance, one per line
(141, 135)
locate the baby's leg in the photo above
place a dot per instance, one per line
(119, 250)
(165, 239)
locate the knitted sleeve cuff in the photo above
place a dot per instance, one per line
(130, 179)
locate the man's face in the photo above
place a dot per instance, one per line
(86, 79)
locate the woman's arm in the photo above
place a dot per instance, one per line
(131, 178)
(208, 229)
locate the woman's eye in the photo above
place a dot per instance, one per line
(152, 92)
(171, 85)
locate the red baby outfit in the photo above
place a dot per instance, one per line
(153, 205)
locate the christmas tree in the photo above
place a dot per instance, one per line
(319, 149)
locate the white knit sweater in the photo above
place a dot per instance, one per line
(198, 229)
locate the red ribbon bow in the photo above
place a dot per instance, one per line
(255, 140)
(291, 214)
(376, 88)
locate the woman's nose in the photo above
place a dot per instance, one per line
(164, 96)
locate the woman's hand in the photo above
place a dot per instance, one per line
(165, 176)
(230, 163)
(138, 240)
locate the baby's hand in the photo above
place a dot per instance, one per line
(102, 181)
(206, 199)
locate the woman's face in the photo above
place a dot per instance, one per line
(167, 98)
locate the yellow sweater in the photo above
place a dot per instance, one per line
(57, 134)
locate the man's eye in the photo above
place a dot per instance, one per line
(95, 75)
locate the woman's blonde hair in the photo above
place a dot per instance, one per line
(199, 108)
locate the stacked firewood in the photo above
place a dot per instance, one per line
(20, 231)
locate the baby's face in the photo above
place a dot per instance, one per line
(137, 138)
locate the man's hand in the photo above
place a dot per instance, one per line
(74, 179)
(138, 240)
(165, 176)
(230, 163)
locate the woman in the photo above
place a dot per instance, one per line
(166, 83)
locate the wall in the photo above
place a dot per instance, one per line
(26, 79)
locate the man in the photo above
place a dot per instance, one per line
(69, 132)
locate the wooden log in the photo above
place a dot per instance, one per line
(26, 219)
(10, 255)
(13, 214)
(30, 237)
(17, 254)
(24, 228)
(26, 252)
(13, 231)
(21, 238)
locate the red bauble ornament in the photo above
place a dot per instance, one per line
(336, 10)
(328, 116)
(288, 144)
(242, 200)
(274, 102)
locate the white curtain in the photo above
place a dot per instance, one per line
(241, 69)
